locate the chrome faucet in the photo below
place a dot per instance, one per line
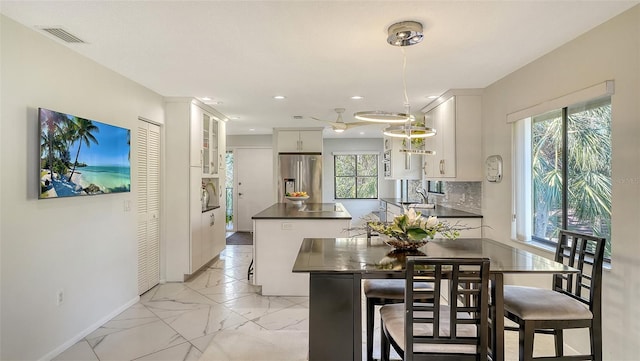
(423, 194)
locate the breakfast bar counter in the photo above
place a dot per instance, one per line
(338, 265)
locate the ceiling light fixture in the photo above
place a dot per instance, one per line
(409, 132)
(279, 97)
(405, 33)
(357, 97)
(401, 34)
(380, 116)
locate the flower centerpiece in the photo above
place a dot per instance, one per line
(410, 230)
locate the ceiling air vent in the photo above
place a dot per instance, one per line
(297, 117)
(63, 35)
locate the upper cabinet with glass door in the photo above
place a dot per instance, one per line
(210, 142)
(205, 141)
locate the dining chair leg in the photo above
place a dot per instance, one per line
(559, 342)
(385, 346)
(596, 343)
(526, 335)
(370, 322)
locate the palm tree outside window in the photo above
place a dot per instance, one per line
(571, 171)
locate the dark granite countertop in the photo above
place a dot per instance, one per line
(359, 255)
(439, 211)
(304, 211)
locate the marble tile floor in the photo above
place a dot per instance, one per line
(218, 315)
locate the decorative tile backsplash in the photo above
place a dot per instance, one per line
(466, 196)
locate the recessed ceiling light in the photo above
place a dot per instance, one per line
(205, 98)
(432, 96)
(279, 97)
(252, 129)
(234, 117)
(361, 133)
(357, 97)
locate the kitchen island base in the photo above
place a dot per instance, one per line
(278, 233)
(333, 302)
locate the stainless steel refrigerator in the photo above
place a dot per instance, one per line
(300, 173)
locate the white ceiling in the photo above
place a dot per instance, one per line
(316, 53)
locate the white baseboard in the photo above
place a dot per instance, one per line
(58, 350)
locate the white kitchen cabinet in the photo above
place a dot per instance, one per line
(299, 141)
(191, 242)
(219, 230)
(208, 221)
(399, 165)
(456, 117)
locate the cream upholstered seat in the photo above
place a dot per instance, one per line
(532, 303)
(383, 292)
(574, 301)
(419, 330)
(394, 322)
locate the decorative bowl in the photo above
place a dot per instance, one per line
(401, 244)
(297, 200)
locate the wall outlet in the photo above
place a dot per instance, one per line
(287, 226)
(59, 297)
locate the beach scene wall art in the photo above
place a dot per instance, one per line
(80, 157)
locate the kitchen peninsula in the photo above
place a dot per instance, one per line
(278, 232)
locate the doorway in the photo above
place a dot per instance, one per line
(253, 185)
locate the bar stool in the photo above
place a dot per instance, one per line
(573, 302)
(436, 330)
(381, 292)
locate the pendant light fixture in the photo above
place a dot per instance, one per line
(400, 34)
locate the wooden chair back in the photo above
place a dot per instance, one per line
(450, 326)
(586, 253)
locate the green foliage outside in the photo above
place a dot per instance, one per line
(588, 172)
(229, 187)
(356, 176)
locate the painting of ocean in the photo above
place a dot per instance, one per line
(82, 157)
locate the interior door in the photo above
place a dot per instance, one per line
(253, 184)
(148, 205)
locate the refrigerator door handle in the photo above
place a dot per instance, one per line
(298, 175)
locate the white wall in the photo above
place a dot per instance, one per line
(249, 141)
(83, 245)
(357, 207)
(610, 51)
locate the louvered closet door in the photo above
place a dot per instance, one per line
(148, 156)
